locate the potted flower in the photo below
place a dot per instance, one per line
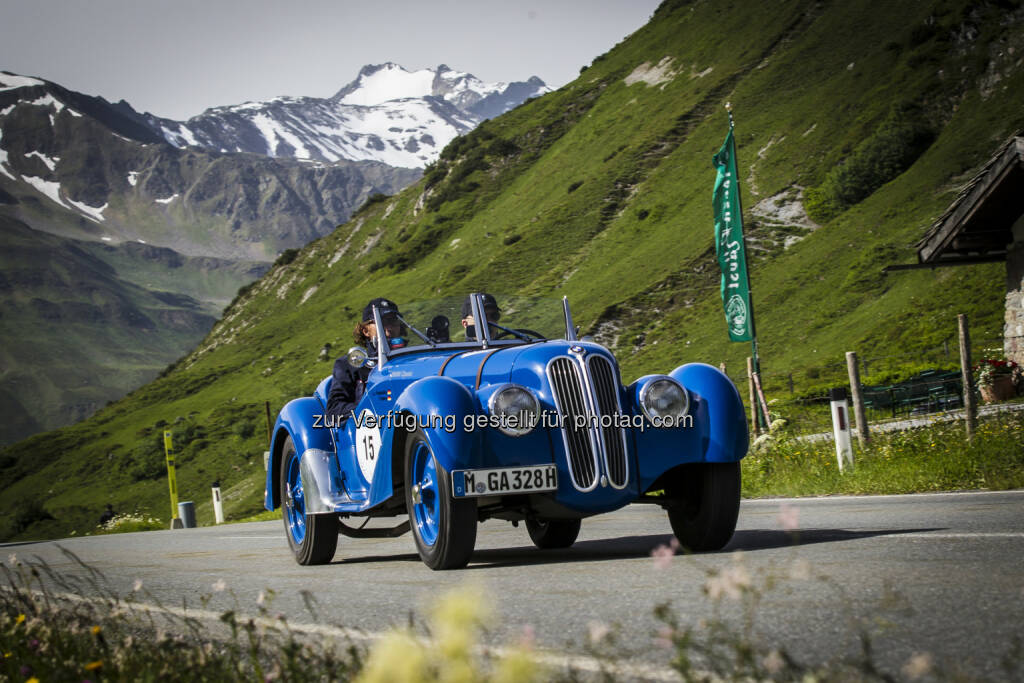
(996, 379)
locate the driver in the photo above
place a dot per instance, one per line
(491, 311)
(349, 383)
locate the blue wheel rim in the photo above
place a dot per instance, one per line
(294, 502)
(426, 513)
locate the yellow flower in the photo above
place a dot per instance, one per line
(96, 630)
(20, 619)
(92, 666)
(32, 680)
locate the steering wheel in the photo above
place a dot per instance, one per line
(522, 330)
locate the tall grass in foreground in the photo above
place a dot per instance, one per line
(933, 458)
(50, 632)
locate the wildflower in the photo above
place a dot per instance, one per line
(261, 598)
(137, 586)
(665, 637)
(597, 631)
(92, 666)
(12, 559)
(789, 517)
(917, 666)
(773, 662)
(219, 586)
(528, 637)
(20, 619)
(664, 553)
(801, 570)
(96, 630)
(731, 581)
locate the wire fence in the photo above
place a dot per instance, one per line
(892, 386)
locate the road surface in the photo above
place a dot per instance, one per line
(934, 573)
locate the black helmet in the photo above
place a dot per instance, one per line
(385, 306)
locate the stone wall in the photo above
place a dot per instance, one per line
(1013, 330)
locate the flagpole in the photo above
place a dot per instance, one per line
(761, 419)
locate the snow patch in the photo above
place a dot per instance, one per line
(133, 177)
(74, 113)
(167, 200)
(48, 101)
(391, 82)
(106, 239)
(7, 110)
(51, 163)
(93, 212)
(47, 187)
(3, 160)
(12, 81)
(652, 75)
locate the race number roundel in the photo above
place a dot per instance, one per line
(367, 444)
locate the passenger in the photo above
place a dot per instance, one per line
(349, 383)
(491, 310)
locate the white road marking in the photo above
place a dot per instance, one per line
(983, 534)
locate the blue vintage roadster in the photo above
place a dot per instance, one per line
(519, 421)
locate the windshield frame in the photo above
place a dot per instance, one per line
(483, 334)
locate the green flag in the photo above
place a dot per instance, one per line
(729, 244)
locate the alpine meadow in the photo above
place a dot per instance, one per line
(856, 125)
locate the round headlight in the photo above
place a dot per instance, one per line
(515, 409)
(664, 400)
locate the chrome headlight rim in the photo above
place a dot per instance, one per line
(493, 410)
(357, 356)
(645, 390)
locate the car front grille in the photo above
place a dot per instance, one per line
(584, 392)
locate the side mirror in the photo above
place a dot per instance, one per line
(357, 356)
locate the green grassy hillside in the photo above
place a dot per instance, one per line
(875, 113)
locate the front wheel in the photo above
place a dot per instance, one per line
(312, 538)
(444, 526)
(553, 533)
(709, 495)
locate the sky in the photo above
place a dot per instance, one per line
(176, 59)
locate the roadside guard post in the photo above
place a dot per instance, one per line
(187, 513)
(172, 480)
(841, 427)
(218, 504)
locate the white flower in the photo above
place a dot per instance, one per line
(800, 571)
(918, 665)
(598, 631)
(773, 662)
(663, 554)
(789, 517)
(219, 586)
(731, 581)
(261, 598)
(12, 560)
(137, 586)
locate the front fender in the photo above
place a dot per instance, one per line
(297, 419)
(726, 427)
(454, 446)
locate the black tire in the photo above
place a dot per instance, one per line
(443, 526)
(553, 533)
(705, 519)
(312, 538)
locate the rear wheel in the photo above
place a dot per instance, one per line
(444, 526)
(312, 538)
(709, 494)
(553, 533)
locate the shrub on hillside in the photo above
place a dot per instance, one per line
(891, 149)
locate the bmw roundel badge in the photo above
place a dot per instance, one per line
(576, 348)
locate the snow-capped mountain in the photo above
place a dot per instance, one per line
(388, 114)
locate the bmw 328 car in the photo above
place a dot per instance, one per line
(516, 420)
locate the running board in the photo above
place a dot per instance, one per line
(353, 532)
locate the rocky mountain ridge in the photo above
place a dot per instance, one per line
(386, 114)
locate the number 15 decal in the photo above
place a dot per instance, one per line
(368, 442)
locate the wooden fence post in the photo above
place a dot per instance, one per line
(970, 410)
(863, 436)
(753, 398)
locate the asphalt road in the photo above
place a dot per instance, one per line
(938, 573)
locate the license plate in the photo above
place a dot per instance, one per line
(532, 479)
